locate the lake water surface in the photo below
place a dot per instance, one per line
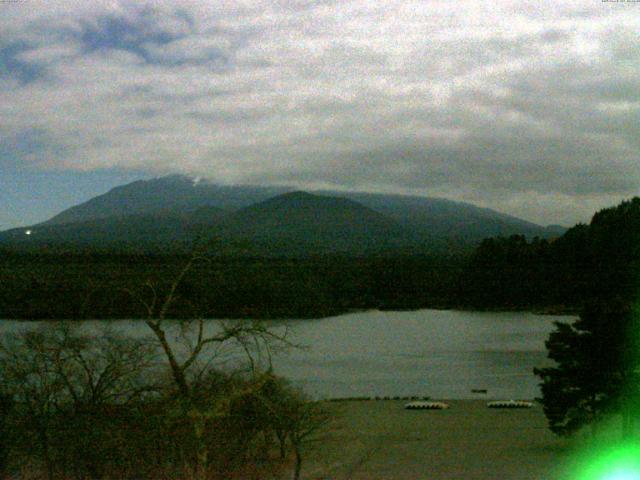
(439, 353)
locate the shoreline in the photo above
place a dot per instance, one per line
(404, 398)
(550, 311)
(381, 440)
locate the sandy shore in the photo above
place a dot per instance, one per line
(382, 440)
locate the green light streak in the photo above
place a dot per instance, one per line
(621, 462)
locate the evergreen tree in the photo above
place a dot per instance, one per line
(596, 367)
(597, 357)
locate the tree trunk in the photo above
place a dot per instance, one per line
(176, 370)
(202, 454)
(282, 442)
(298, 465)
(283, 452)
(44, 443)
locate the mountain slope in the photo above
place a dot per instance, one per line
(301, 221)
(174, 195)
(293, 223)
(139, 233)
(172, 211)
(441, 219)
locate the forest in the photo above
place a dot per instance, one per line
(600, 259)
(516, 273)
(99, 286)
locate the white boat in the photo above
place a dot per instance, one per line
(510, 404)
(426, 406)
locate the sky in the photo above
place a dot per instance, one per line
(528, 107)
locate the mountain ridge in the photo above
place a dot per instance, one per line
(176, 209)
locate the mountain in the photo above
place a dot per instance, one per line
(554, 231)
(138, 232)
(445, 220)
(302, 222)
(170, 212)
(174, 195)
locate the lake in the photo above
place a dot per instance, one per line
(437, 353)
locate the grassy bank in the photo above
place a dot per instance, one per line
(382, 440)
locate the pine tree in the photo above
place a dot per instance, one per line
(596, 370)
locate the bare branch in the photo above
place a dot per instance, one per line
(174, 286)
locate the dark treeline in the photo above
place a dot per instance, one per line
(595, 372)
(599, 260)
(502, 273)
(81, 286)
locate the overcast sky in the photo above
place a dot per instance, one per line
(531, 108)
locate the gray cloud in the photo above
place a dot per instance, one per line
(12, 66)
(27, 148)
(528, 107)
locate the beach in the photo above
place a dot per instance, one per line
(382, 440)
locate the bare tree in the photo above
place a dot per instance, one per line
(32, 382)
(254, 338)
(295, 420)
(62, 380)
(307, 420)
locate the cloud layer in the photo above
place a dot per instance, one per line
(532, 108)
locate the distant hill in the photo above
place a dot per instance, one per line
(554, 231)
(296, 223)
(174, 195)
(170, 212)
(141, 233)
(444, 220)
(302, 222)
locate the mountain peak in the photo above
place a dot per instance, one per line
(298, 194)
(262, 211)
